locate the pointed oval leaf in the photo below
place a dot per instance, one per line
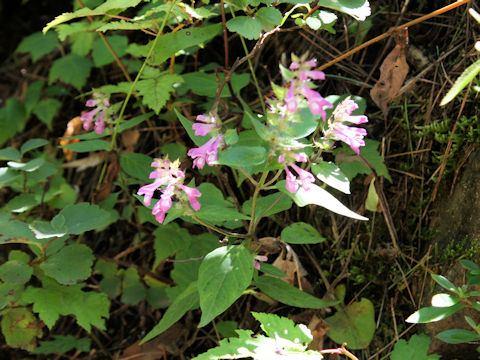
(432, 314)
(458, 336)
(301, 233)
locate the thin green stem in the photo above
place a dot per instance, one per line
(216, 229)
(272, 180)
(251, 179)
(140, 72)
(251, 227)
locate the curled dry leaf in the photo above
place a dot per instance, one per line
(107, 185)
(290, 265)
(393, 72)
(129, 139)
(92, 160)
(74, 127)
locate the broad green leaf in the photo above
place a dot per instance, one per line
(14, 230)
(169, 239)
(444, 300)
(227, 328)
(351, 166)
(10, 293)
(275, 203)
(128, 25)
(70, 265)
(432, 314)
(290, 295)
(269, 17)
(84, 217)
(133, 290)
(444, 282)
(324, 20)
(174, 151)
(136, 165)
(10, 153)
(72, 69)
(458, 336)
(16, 272)
(32, 144)
(185, 301)
(306, 126)
(82, 42)
(34, 92)
(331, 175)
(38, 44)
(301, 233)
(100, 10)
(87, 146)
(416, 349)
(156, 92)
(371, 203)
(470, 265)
(462, 81)
(243, 156)
(20, 328)
(62, 344)
(171, 43)
(318, 196)
(354, 324)
(29, 166)
(274, 325)
(358, 9)
(206, 84)
(46, 110)
(102, 55)
(246, 26)
(12, 119)
(52, 300)
(223, 276)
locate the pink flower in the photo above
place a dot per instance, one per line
(315, 101)
(100, 106)
(99, 123)
(294, 65)
(204, 129)
(291, 184)
(290, 99)
(306, 177)
(301, 157)
(87, 118)
(207, 153)
(161, 207)
(352, 136)
(192, 195)
(258, 259)
(148, 191)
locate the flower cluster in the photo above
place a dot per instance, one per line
(207, 153)
(100, 113)
(337, 130)
(301, 87)
(169, 180)
(288, 159)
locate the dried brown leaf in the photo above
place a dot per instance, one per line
(74, 127)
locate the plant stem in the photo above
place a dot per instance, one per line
(252, 226)
(216, 229)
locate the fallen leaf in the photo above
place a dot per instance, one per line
(107, 185)
(393, 72)
(129, 139)
(290, 265)
(92, 160)
(74, 127)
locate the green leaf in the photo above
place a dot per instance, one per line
(358, 9)
(100, 10)
(324, 20)
(290, 295)
(136, 165)
(20, 328)
(352, 167)
(223, 276)
(52, 300)
(12, 119)
(318, 196)
(46, 110)
(354, 324)
(38, 44)
(72, 69)
(227, 328)
(87, 146)
(169, 239)
(432, 314)
(14, 271)
(274, 325)
(10, 294)
(156, 92)
(82, 42)
(444, 300)
(470, 265)
(331, 175)
(62, 344)
(269, 17)
(133, 290)
(185, 301)
(275, 203)
(271, 270)
(462, 81)
(84, 217)
(71, 264)
(301, 233)
(458, 336)
(244, 156)
(34, 92)
(206, 84)
(174, 151)
(416, 349)
(102, 55)
(246, 26)
(29, 166)
(32, 144)
(171, 43)
(371, 203)
(444, 282)
(14, 229)
(10, 153)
